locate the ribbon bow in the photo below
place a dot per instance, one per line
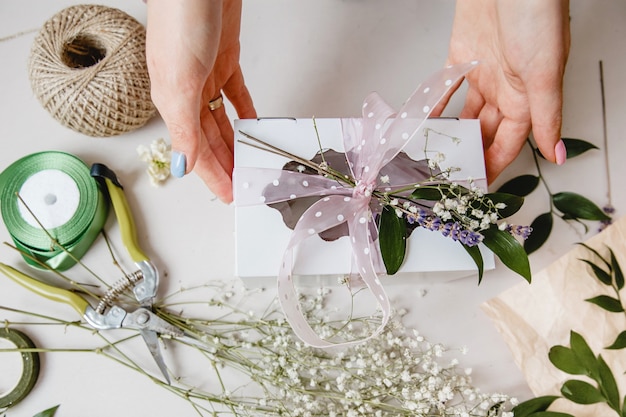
(370, 143)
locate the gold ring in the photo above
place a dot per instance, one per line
(216, 103)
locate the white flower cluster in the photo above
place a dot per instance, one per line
(158, 158)
(399, 373)
(469, 205)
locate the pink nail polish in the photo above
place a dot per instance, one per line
(561, 153)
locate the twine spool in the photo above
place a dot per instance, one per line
(88, 69)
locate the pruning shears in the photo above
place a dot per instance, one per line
(144, 282)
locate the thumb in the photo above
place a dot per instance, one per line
(183, 125)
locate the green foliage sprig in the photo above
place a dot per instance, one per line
(579, 359)
(609, 274)
(567, 205)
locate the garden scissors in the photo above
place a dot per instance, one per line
(108, 314)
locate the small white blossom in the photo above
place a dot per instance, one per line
(158, 158)
(477, 213)
(450, 204)
(384, 179)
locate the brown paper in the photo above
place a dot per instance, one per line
(533, 318)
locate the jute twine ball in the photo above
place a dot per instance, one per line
(88, 69)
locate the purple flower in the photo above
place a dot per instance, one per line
(608, 209)
(434, 224)
(446, 229)
(522, 231)
(470, 238)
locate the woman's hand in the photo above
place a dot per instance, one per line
(193, 57)
(523, 48)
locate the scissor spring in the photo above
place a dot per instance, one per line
(126, 282)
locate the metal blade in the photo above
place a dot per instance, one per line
(152, 341)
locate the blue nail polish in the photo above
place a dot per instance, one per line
(178, 165)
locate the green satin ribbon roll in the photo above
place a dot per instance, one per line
(64, 198)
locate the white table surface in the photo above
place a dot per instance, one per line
(304, 59)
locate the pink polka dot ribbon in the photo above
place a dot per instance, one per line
(369, 144)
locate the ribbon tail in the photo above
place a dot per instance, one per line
(324, 214)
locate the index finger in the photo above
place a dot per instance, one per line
(237, 93)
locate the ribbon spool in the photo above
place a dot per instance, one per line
(30, 367)
(88, 69)
(58, 193)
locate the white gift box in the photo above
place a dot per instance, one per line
(262, 236)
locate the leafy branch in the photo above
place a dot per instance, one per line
(579, 359)
(569, 206)
(610, 275)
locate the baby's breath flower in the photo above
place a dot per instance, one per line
(158, 158)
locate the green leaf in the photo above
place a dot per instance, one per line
(578, 207)
(513, 203)
(520, 186)
(618, 275)
(534, 405)
(608, 303)
(474, 252)
(589, 248)
(550, 414)
(508, 249)
(603, 276)
(607, 384)
(565, 359)
(624, 408)
(427, 193)
(584, 353)
(542, 226)
(620, 342)
(50, 412)
(581, 392)
(576, 147)
(392, 239)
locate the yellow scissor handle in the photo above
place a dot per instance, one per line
(48, 291)
(107, 178)
(126, 221)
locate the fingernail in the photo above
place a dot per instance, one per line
(178, 165)
(561, 153)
